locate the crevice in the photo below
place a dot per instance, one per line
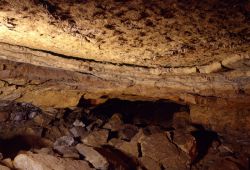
(139, 150)
(162, 167)
(204, 139)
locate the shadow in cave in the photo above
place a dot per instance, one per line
(141, 113)
(204, 139)
(117, 159)
(12, 146)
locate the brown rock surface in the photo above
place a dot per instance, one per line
(186, 142)
(96, 138)
(24, 82)
(55, 53)
(132, 49)
(115, 123)
(4, 167)
(149, 163)
(30, 161)
(158, 147)
(224, 120)
(148, 33)
(91, 155)
(231, 123)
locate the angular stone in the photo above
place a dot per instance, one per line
(127, 132)
(149, 130)
(130, 148)
(158, 147)
(78, 123)
(42, 120)
(149, 163)
(64, 141)
(44, 151)
(96, 138)
(91, 155)
(58, 99)
(8, 162)
(53, 133)
(62, 144)
(30, 161)
(186, 142)
(222, 164)
(94, 125)
(4, 167)
(181, 120)
(4, 116)
(213, 67)
(70, 152)
(114, 123)
(78, 131)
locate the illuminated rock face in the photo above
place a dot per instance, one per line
(55, 53)
(146, 33)
(189, 52)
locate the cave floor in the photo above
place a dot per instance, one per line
(117, 134)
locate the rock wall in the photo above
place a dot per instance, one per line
(35, 84)
(189, 52)
(56, 54)
(146, 33)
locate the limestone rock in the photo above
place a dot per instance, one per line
(235, 124)
(4, 167)
(4, 116)
(127, 132)
(181, 120)
(95, 125)
(70, 152)
(114, 123)
(64, 141)
(78, 132)
(91, 155)
(44, 151)
(193, 88)
(57, 98)
(63, 146)
(78, 123)
(8, 162)
(222, 164)
(96, 138)
(30, 161)
(130, 148)
(186, 142)
(149, 163)
(213, 67)
(113, 32)
(158, 147)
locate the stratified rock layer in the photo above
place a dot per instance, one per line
(25, 82)
(147, 33)
(189, 52)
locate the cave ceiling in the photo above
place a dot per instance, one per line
(154, 49)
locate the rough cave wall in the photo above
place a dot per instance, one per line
(52, 53)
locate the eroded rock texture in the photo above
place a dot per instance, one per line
(150, 49)
(147, 135)
(147, 33)
(57, 54)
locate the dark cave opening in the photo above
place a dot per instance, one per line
(141, 113)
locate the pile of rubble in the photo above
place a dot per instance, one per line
(90, 138)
